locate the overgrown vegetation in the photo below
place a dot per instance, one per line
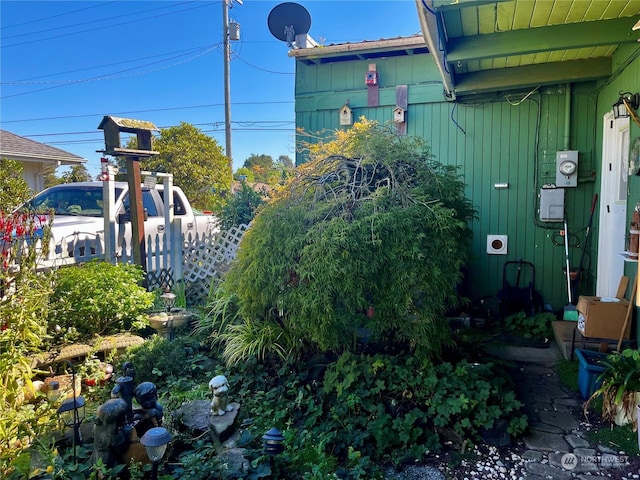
(242, 207)
(370, 241)
(330, 326)
(349, 414)
(24, 306)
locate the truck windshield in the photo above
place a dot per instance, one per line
(70, 200)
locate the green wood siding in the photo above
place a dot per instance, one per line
(501, 140)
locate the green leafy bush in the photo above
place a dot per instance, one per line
(383, 230)
(174, 366)
(241, 208)
(100, 298)
(403, 404)
(15, 189)
(536, 326)
(343, 415)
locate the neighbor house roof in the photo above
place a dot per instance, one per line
(19, 148)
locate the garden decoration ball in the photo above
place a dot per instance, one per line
(220, 395)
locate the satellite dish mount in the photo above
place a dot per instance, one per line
(289, 22)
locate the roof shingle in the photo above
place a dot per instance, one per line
(15, 147)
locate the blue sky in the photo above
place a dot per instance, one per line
(66, 64)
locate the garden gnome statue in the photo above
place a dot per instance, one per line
(110, 434)
(220, 395)
(147, 397)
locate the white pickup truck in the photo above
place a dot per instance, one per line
(79, 215)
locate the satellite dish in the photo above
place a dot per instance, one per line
(288, 20)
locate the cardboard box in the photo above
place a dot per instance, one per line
(600, 319)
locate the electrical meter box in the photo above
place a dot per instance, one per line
(567, 168)
(551, 204)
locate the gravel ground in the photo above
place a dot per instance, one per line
(491, 463)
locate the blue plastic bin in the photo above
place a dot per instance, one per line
(588, 371)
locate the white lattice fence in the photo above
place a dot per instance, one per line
(206, 258)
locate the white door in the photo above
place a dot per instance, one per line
(613, 205)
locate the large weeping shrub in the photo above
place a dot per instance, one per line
(369, 239)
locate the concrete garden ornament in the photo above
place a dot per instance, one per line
(220, 395)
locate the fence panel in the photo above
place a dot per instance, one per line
(202, 260)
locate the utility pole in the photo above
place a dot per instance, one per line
(227, 83)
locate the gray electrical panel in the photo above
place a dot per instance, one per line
(551, 204)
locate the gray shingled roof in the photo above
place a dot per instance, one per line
(16, 147)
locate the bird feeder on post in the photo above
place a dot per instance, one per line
(112, 127)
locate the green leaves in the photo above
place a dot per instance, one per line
(385, 227)
(400, 405)
(101, 298)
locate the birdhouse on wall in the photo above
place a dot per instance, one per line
(113, 126)
(371, 78)
(346, 117)
(399, 115)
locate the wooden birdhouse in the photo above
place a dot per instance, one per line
(346, 117)
(399, 115)
(113, 126)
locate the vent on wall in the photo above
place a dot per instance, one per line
(497, 244)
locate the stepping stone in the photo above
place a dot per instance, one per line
(532, 455)
(578, 443)
(582, 464)
(537, 440)
(558, 407)
(545, 427)
(547, 471)
(569, 402)
(585, 452)
(548, 393)
(542, 406)
(559, 419)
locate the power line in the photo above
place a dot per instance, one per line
(56, 16)
(221, 130)
(115, 75)
(263, 69)
(27, 81)
(101, 28)
(246, 123)
(143, 111)
(83, 23)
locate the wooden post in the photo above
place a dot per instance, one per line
(137, 212)
(627, 317)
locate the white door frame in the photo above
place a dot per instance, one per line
(613, 205)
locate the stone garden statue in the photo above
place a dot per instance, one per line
(220, 395)
(147, 397)
(111, 435)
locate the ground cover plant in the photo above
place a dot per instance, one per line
(536, 326)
